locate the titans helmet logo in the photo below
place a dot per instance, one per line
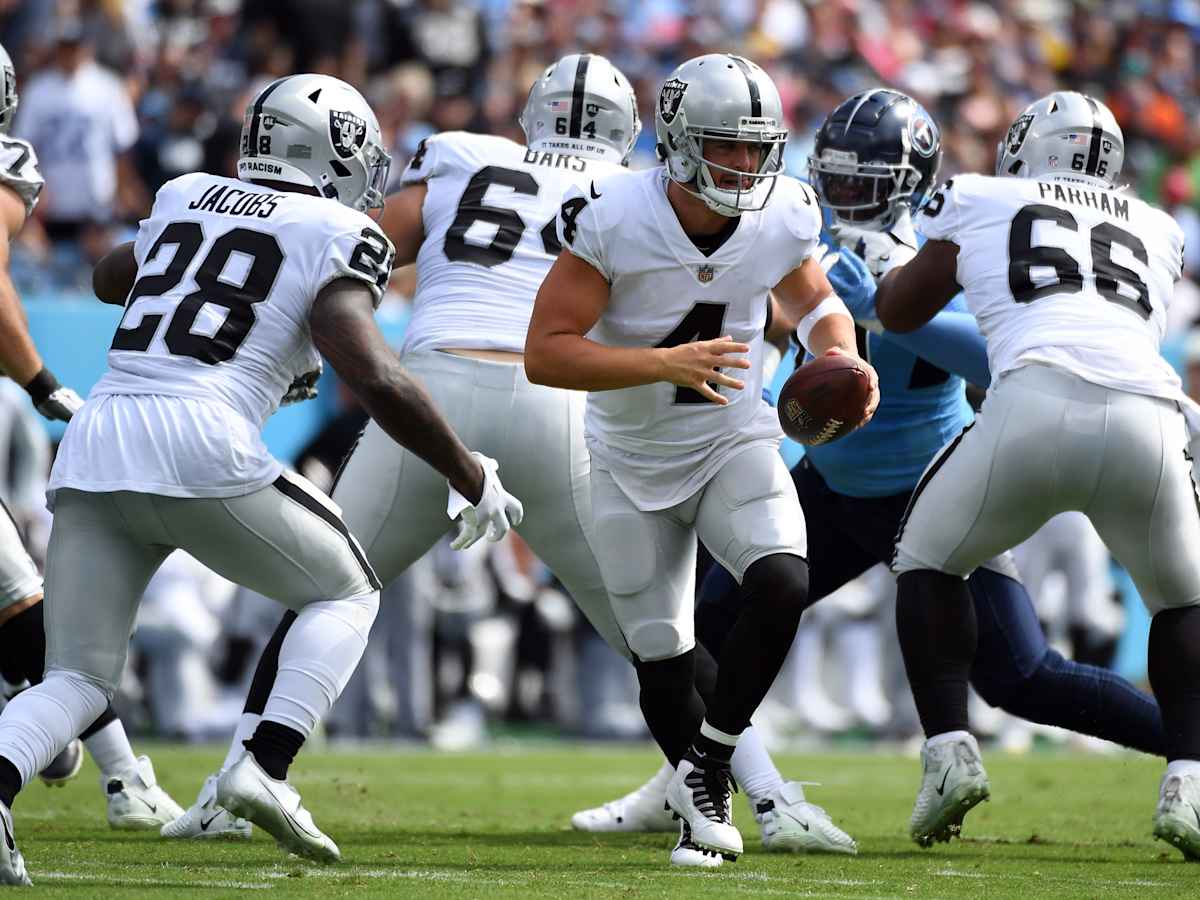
(922, 134)
(347, 131)
(669, 99)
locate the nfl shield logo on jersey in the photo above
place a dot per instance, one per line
(705, 274)
(347, 131)
(670, 98)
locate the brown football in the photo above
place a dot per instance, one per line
(823, 400)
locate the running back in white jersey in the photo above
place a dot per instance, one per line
(662, 442)
(1065, 274)
(215, 330)
(490, 237)
(19, 170)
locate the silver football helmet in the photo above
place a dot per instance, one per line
(316, 131)
(728, 98)
(8, 92)
(1065, 135)
(583, 105)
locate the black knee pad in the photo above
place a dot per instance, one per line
(779, 580)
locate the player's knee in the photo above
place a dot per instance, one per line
(659, 640)
(779, 580)
(626, 554)
(93, 691)
(1010, 689)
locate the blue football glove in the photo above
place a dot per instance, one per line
(853, 283)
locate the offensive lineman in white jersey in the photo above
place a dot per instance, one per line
(239, 284)
(1069, 279)
(133, 798)
(478, 215)
(667, 282)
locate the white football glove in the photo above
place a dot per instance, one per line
(496, 511)
(51, 399)
(881, 250)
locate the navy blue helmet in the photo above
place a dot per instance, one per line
(876, 153)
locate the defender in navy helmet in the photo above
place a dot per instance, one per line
(876, 154)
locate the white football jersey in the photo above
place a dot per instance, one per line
(1064, 274)
(214, 332)
(490, 237)
(19, 170)
(661, 442)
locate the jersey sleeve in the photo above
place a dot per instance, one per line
(802, 214)
(19, 171)
(580, 229)
(426, 162)
(940, 219)
(360, 251)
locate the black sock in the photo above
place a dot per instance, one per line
(274, 747)
(10, 782)
(706, 674)
(1174, 668)
(776, 591)
(267, 668)
(706, 748)
(672, 707)
(935, 620)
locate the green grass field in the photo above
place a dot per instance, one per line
(420, 824)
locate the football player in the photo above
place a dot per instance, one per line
(132, 795)
(875, 159)
(239, 284)
(1083, 414)
(662, 296)
(474, 297)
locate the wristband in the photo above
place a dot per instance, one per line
(830, 306)
(42, 385)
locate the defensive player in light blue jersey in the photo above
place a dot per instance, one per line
(874, 160)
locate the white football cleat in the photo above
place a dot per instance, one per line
(700, 792)
(12, 864)
(642, 810)
(247, 791)
(953, 783)
(688, 855)
(1177, 819)
(65, 766)
(205, 819)
(789, 823)
(136, 802)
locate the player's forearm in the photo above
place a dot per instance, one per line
(572, 361)
(832, 331)
(951, 340)
(18, 355)
(406, 412)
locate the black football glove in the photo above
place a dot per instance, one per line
(51, 399)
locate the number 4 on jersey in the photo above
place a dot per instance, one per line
(703, 322)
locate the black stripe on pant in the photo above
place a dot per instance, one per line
(294, 492)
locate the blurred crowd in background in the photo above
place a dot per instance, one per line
(119, 96)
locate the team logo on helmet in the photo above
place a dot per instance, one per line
(347, 131)
(922, 134)
(1016, 133)
(669, 99)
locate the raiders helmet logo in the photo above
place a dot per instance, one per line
(922, 134)
(669, 99)
(347, 131)
(1016, 134)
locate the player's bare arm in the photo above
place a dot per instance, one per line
(113, 277)
(345, 333)
(18, 356)
(402, 222)
(557, 353)
(799, 298)
(910, 295)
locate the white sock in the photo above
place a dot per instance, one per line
(38, 723)
(317, 658)
(110, 749)
(753, 769)
(1183, 767)
(947, 737)
(245, 729)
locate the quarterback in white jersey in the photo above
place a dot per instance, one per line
(1069, 278)
(239, 284)
(478, 215)
(132, 795)
(665, 289)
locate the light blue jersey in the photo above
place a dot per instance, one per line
(921, 406)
